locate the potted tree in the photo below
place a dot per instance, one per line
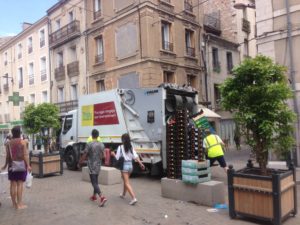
(257, 94)
(43, 120)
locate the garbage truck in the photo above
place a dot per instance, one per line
(141, 112)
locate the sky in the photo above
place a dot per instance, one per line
(14, 12)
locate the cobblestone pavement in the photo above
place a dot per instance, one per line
(62, 200)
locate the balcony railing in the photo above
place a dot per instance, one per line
(29, 49)
(167, 46)
(66, 33)
(246, 26)
(31, 79)
(99, 58)
(190, 51)
(20, 84)
(59, 73)
(188, 6)
(43, 75)
(73, 69)
(212, 23)
(42, 43)
(97, 14)
(67, 106)
(5, 87)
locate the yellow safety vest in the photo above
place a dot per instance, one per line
(214, 148)
(90, 139)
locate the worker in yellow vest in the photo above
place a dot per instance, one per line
(213, 145)
(90, 139)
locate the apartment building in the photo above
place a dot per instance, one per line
(142, 43)
(24, 72)
(278, 36)
(67, 29)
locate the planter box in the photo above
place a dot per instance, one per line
(46, 164)
(269, 198)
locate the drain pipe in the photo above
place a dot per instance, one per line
(293, 79)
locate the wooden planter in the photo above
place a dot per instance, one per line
(46, 164)
(269, 198)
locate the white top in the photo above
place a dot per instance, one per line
(127, 156)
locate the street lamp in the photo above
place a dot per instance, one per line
(243, 5)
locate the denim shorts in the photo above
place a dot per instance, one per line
(127, 167)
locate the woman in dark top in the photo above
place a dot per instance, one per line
(16, 150)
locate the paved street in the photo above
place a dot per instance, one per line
(64, 200)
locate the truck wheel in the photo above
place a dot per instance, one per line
(71, 161)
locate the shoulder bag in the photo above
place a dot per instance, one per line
(16, 166)
(119, 162)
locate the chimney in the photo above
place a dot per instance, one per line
(25, 25)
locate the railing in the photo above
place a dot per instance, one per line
(188, 6)
(59, 73)
(66, 32)
(31, 79)
(168, 46)
(246, 26)
(20, 84)
(67, 106)
(97, 14)
(190, 51)
(212, 24)
(99, 58)
(43, 75)
(42, 43)
(73, 69)
(29, 49)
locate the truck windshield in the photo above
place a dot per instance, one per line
(67, 123)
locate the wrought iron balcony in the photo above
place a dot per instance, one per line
(99, 58)
(60, 73)
(190, 51)
(97, 14)
(65, 34)
(167, 46)
(43, 75)
(246, 26)
(67, 106)
(212, 24)
(73, 69)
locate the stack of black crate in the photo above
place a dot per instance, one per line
(195, 148)
(177, 143)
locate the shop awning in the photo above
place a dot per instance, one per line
(4, 126)
(17, 123)
(208, 112)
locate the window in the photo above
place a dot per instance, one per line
(67, 124)
(5, 58)
(217, 94)
(97, 9)
(32, 98)
(74, 92)
(190, 43)
(246, 47)
(42, 38)
(43, 69)
(99, 50)
(60, 59)
(60, 95)
(20, 77)
(229, 62)
(165, 35)
(57, 22)
(71, 16)
(73, 55)
(100, 85)
(31, 74)
(29, 45)
(191, 81)
(188, 6)
(216, 63)
(44, 96)
(169, 77)
(19, 51)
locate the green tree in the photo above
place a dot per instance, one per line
(41, 119)
(257, 94)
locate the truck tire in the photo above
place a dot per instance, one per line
(71, 159)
